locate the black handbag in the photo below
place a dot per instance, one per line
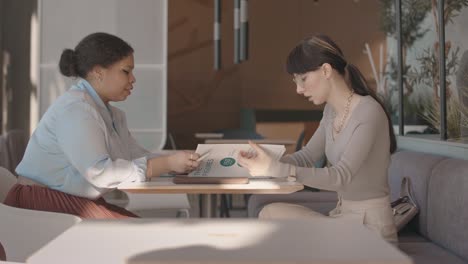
(404, 208)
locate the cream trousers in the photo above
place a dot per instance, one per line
(376, 214)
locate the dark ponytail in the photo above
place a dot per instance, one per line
(313, 52)
(67, 63)
(356, 81)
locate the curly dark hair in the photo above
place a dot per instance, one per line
(101, 49)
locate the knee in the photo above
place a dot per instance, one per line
(270, 211)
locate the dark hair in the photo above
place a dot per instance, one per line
(311, 53)
(95, 49)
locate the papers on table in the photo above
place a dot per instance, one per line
(222, 159)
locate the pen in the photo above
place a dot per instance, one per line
(203, 156)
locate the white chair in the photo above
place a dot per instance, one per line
(7, 180)
(23, 232)
(151, 205)
(146, 204)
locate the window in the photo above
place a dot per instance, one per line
(412, 72)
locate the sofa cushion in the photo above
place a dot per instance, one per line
(428, 253)
(418, 167)
(321, 202)
(406, 235)
(447, 215)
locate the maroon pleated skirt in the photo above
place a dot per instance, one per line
(40, 198)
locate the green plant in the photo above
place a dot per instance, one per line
(414, 12)
(428, 75)
(425, 74)
(457, 116)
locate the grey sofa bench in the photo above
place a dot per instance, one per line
(439, 233)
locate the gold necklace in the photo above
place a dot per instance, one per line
(345, 115)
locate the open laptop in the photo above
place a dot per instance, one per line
(220, 160)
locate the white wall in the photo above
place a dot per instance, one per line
(143, 23)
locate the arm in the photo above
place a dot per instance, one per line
(157, 164)
(334, 178)
(314, 151)
(311, 153)
(179, 162)
(136, 151)
(354, 156)
(81, 135)
(261, 164)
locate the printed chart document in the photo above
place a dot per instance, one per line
(220, 160)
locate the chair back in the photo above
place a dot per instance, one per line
(2, 253)
(23, 232)
(4, 158)
(140, 201)
(16, 142)
(7, 180)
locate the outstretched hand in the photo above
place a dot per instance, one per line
(183, 161)
(258, 162)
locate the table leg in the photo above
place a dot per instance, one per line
(208, 205)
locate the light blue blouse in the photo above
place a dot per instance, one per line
(83, 147)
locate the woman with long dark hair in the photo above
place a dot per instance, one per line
(355, 135)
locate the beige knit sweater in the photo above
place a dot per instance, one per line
(359, 156)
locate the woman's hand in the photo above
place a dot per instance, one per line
(258, 163)
(183, 161)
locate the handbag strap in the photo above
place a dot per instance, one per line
(405, 189)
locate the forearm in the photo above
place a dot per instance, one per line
(331, 179)
(157, 166)
(310, 154)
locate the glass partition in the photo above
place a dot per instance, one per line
(456, 45)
